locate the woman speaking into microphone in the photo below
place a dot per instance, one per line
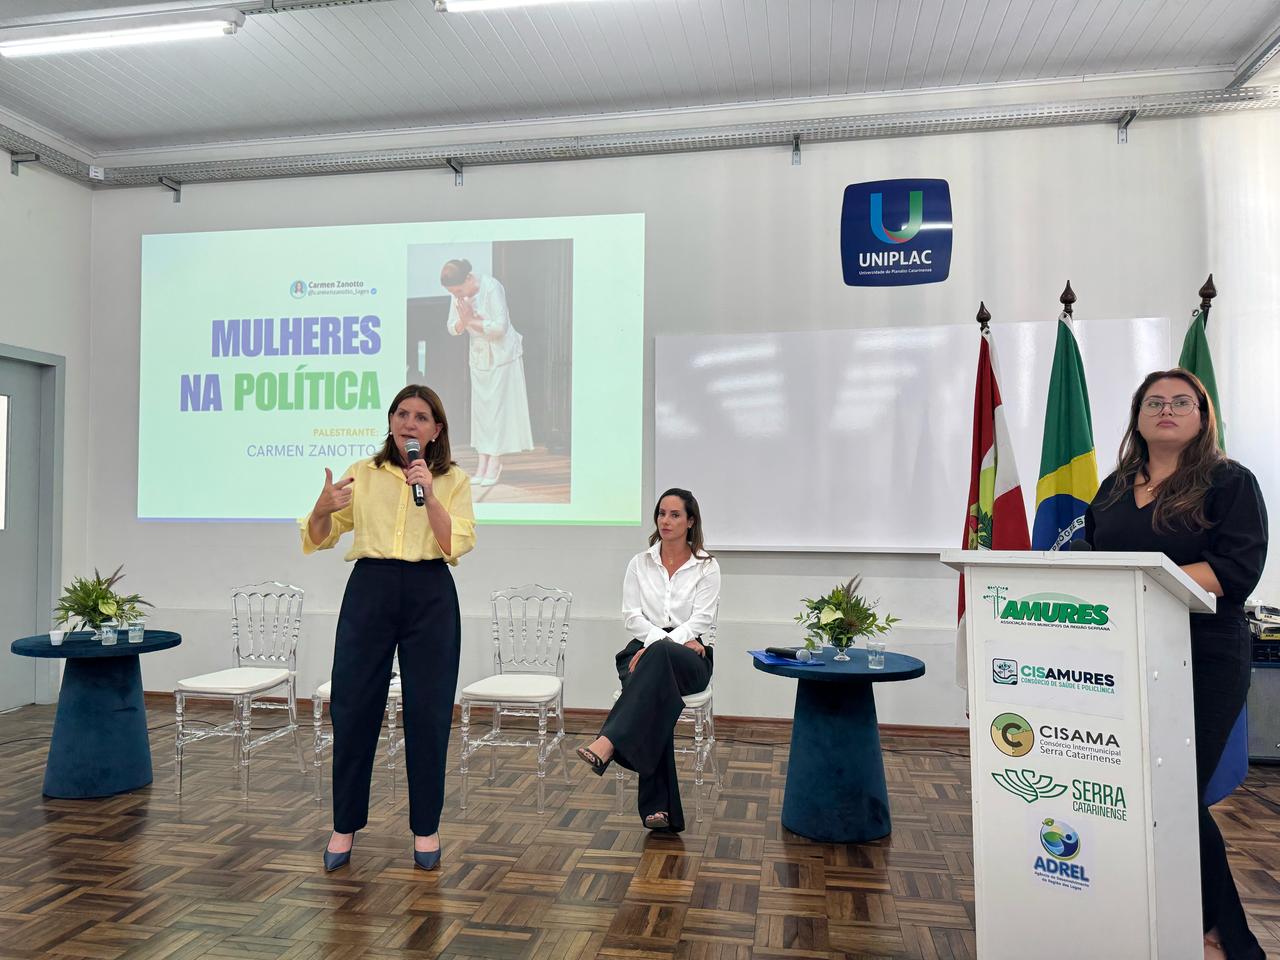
(400, 597)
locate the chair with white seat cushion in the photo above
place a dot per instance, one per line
(698, 711)
(530, 632)
(266, 619)
(323, 740)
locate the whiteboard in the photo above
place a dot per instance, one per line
(859, 440)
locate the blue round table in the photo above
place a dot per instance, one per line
(99, 745)
(835, 774)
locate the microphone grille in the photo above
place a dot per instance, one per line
(803, 654)
(411, 446)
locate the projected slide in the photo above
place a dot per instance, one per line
(268, 355)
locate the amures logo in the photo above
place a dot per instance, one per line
(1061, 609)
(896, 232)
(1012, 735)
(1062, 844)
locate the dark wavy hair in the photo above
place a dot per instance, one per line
(691, 509)
(1180, 499)
(437, 454)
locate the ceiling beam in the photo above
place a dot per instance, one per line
(1255, 62)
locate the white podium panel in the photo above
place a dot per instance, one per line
(1082, 755)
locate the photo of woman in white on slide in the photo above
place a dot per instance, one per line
(499, 398)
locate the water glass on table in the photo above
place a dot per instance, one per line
(875, 654)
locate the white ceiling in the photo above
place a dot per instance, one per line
(398, 64)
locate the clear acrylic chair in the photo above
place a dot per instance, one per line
(530, 633)
(266, 620)
(324, 739)
(699, 712)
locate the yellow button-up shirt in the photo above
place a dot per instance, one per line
(387, 523)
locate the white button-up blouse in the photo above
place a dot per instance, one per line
(686, 601)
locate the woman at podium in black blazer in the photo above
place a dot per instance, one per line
(1174, 492)
(669, 599)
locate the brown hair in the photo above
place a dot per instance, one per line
(1180, 499)
(694, 536)
(437, 455)
(454, 272)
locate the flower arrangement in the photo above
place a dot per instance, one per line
(841, 616)
(92, 601)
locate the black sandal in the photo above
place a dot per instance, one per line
(598, 766)
(657, 821)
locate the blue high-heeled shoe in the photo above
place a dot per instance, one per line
(332, 861)
(427, 859)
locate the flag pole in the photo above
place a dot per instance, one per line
(1207, 293)
(1067, 299)
(984, 315)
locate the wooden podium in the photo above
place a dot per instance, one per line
(1082, 746)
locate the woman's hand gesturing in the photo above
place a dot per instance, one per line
(334, 496)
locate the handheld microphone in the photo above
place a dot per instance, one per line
(414, 451)
(788, 653)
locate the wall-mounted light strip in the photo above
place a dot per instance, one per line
(484, 6)
(102, 33)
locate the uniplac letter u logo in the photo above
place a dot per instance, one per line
(915, 218)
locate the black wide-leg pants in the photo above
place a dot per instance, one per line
(641, 723)
(412, 607)
(1220, 684)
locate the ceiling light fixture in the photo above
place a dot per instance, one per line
(484, 6)
(102, 33)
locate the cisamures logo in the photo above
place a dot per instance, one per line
(1011, 673)
(1058, 862)
(896, 233)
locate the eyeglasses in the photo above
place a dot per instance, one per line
(1178, 406)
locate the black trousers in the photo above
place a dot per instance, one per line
(392, 604)
(1220, 683)
(640, 724)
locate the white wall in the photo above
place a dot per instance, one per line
(736, 241)
(44, 276)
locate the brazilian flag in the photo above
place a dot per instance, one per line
(1195, 357)
(1068, 464)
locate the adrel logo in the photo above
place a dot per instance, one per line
(896, 233)
(1012, 735)
(1057, 609)
(1058, 862)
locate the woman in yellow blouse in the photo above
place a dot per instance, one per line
(400, 596)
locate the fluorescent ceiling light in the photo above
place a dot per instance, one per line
(483, 6)
(102, 33)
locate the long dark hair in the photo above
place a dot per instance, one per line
(437, 454)
(1180, 499)
(694, 536)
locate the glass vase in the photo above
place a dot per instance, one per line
(842, 653)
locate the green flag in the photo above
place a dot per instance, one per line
(1195, 357)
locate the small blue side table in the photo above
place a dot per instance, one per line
(835, 789)
(99, 745)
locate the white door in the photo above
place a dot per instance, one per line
(19, 525)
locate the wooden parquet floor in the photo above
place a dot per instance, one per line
(146, 876)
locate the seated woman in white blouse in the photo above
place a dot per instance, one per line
(669, 599)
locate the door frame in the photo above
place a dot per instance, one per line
(53, 384)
